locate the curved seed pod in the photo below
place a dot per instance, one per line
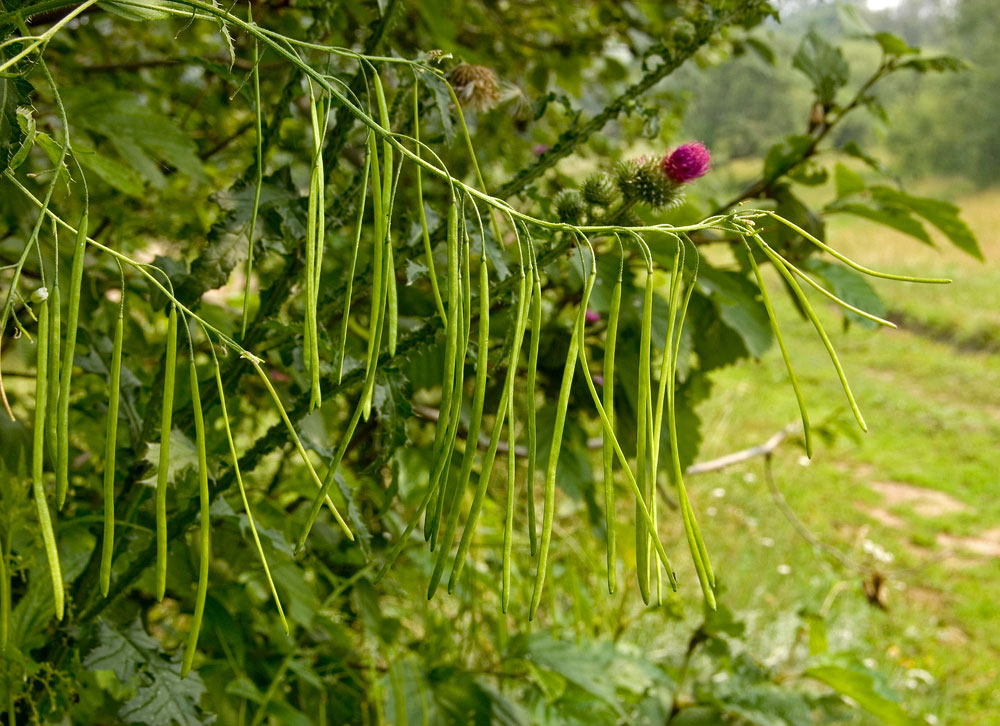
(52, 409)
(258, 184)
(243, 494)
(4, 600)
(354, 262)
(392, 303)
(486, 466)
(205, 538)
(38, 458)
(779, 265)
(66, 375)
(422, 215)
(799, 398)
(610, 341)
(166, 414)
(536, 334)
(642, 439)
(475, 422)
(364, 405)
(548, 513)
(508, 529)
(108, 543)
(450, 348)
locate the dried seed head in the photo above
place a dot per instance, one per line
(475, 86)
(599, 189)
(569, 206)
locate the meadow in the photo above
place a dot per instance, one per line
(905, 515)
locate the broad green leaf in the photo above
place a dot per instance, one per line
(852, 287)
(858, 684)
(893, 44)
(847, 181)
(824, 64)
(784, 155)
(736, 299)
(118, 176)
(26, 122)
(898, 219)
(167, 699)
(938, 64)
(942, 215)
(14, 94)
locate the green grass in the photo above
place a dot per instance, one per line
(929, 393)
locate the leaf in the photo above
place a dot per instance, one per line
(851, 287)
(824, 65)
(442, 100)
(942, 215)
(785, 154)
(14, 93)
(163, 698)
(26, 122)
(118, 176)
(938, 64)
(851, 148)
(847, 181)
(898, 219)
(736, 299)
(124, 653)
(893, 44)
(168, 699)
(858, 684)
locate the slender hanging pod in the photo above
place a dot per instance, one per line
(111, 436)
(38, 454)
(205, 531)
(163, 465)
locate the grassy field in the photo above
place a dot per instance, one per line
(913, 500)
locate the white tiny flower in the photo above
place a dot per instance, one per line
(718, 492)
(931, 719)
(749, 478)
(711, 511)
(869, 662)
(784, 569)
(767, 541)
(804, 461)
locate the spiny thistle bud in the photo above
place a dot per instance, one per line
(569, 206)
(475, 86)
(642, 180)
(599, 189)
(686, 163)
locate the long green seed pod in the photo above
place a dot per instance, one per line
(486, 466)
(52, 409)
(508, 528)
(475, 422)
(799, 398)
(642, 436)
(243, 493)
(108, 543)
(392, 302)
(450, 345)
(38, 457)
(779, 265)
(562, 404)
(66, 375)
(610, 342)
(205, 541)
(354, 263)
(259, 181)
(163, 465)
(536, 334)
(422, 215)
(4, 600)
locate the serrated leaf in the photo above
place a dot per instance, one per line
(168, 699)
(123, 653)
(784, 154)
(26, 123)
(938, 64)
(824, 65)
(14, 93)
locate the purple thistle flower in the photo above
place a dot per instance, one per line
(591, 317)
(540, 149)
(598, 379)
(686, 163)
